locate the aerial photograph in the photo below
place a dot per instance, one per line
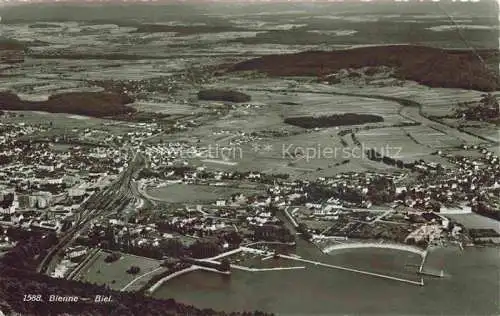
(249, 157)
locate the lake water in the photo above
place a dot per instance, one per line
(470, 285)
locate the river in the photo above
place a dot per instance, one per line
(470, 285)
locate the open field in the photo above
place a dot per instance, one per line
(178, 193)
(74, 126)
(489, 132)
(408, 144)
(396, 138)
(301, 97)
(115, 274)
(435, 101)
(415, 142)
(166, 107)
(62, 120)
(273, 108)
(273, 156)
(431, 138)
(291, 97)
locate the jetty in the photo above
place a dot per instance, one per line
(155, 286)
(238, 267)
(423, 262)
(378, 275)
(432, 274)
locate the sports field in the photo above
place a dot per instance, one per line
(178, 193)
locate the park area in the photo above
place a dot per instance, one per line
(115, 275)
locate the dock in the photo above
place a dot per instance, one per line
(423, 262)
(432, 274)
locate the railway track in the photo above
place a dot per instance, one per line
(112, 200)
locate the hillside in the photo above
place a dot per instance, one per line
(432, 67)
(333, 120)
(223, 95)
(11, 51)
(10, 44)
(15, 282)
(96, 104)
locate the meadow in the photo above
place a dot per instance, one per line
(179, 193)
(115, 273)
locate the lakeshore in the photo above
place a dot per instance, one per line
(318, 290)
(354, 245)
(268, 255)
